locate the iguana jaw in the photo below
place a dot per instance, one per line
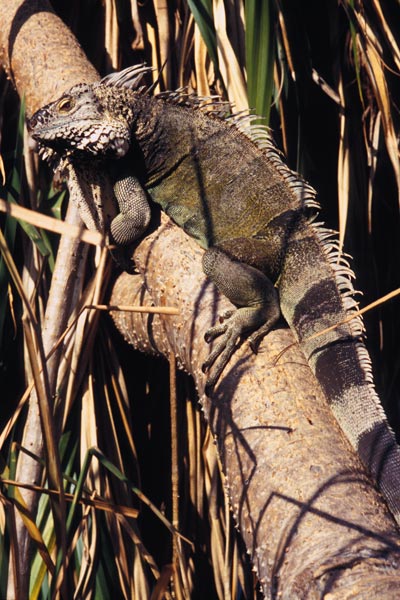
(97, 139)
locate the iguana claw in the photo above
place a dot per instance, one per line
(238, 324)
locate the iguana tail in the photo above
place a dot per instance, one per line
(316, 294)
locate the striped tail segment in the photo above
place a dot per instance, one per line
(316, 293)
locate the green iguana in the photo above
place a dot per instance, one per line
(223, 181)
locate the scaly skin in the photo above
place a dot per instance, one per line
(250, 214)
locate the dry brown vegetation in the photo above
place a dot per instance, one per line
(327, 78)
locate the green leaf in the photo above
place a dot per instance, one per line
(259, 56)
(203, 15)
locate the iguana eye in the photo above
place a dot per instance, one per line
(66, 104)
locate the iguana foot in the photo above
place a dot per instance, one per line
(247, 288)
(256, 338)
(134, 216)
(237, 325)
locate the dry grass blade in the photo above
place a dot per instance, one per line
(95, 452)
(200, 63)
(196, 472)
(358, 313)
(51, 224)
(111, 34)
(354, 315)
(387, 31)
(372, 55)
(12, 420)
(124, 567)
(2, 171)
(218, 539)
(161, 586)
(327, 89)
(86, 570)
(180, 579)
(174, 450)
(286, 44)
(93, 480)
(164, 40)
(228, 64)
(94, 502)
(138, 42)
(343, 169)
(372, 150)
(16, 499)
(13, 271)
(144, 555)
(80, 535)
(153, 310)
(157, 37)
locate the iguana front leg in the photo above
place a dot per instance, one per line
(258, 308)
(120, 209)
(134, 216)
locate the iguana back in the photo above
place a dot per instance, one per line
(251, 214)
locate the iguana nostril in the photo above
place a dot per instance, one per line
(32, 123)
(35, 120)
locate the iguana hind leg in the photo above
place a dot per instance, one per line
(258, 308)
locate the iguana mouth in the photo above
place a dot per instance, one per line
(97, 143)
(38, 129)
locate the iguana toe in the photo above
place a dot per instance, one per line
(231, 333)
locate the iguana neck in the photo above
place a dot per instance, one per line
(142, 114)
(151, 138)
(156, 130)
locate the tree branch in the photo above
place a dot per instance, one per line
(310, 517)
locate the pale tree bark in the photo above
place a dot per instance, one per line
(311, 520)
(310, 517)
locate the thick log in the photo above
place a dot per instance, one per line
(310, 517)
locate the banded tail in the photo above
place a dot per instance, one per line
(316, 293)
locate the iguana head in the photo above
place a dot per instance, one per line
(80, 121)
